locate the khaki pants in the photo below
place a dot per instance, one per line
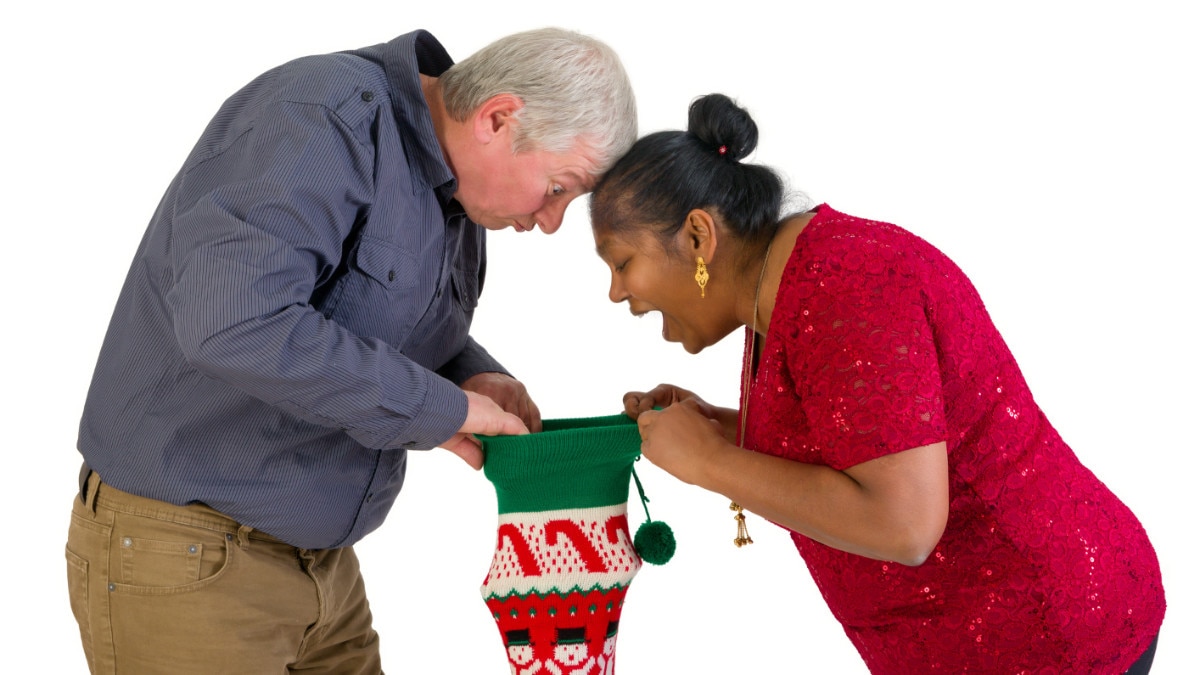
(158, 588)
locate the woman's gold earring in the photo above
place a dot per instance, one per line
(701, 274)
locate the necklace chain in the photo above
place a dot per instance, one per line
(743, 536)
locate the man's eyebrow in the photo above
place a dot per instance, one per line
(583, 179)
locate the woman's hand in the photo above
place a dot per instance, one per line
(889, 508)
(638, 402)
(682, 439)
(665, 395)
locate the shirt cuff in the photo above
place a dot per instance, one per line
(441, 415)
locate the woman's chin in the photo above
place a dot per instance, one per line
(689, 343)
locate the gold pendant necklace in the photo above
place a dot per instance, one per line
(743, 535)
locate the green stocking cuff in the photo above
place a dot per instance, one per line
(571, 463)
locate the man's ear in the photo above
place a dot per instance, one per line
(698, 236)
(496, 117)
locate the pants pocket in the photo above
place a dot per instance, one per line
(86, 555)
(77, 587)
(149, 562)
(163, 557)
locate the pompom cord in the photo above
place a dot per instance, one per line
(654, 541)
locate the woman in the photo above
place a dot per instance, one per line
(883, 420)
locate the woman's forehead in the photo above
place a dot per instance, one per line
(639, 237)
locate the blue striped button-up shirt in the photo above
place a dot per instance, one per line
(297, 313)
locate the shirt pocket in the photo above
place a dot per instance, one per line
(381, 294)
(386, 263)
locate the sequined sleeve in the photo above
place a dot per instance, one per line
(860, 350)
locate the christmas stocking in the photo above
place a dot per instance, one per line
(564, 557)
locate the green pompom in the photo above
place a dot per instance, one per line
(655, 542)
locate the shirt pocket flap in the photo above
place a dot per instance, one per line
(386, 263)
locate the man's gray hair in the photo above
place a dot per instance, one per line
(573, 87)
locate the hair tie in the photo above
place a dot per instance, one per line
(721, 150)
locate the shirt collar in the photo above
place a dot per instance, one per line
(404, 60)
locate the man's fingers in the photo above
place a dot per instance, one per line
(503, 424)
(511, 425)
(487, 418)
(533, 416)
(467, 449)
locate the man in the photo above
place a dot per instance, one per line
(295, 319)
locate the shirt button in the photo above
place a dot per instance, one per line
(192, 548)
(127, 542)
(368, 96)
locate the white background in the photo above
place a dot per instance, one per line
(1050, 148)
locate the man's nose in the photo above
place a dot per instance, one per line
(550, 217)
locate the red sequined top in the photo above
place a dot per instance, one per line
(878, 343)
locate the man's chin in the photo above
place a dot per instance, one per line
(497, 226)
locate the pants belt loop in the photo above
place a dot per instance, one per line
(244, 535)
(91, 487)
(85, 472)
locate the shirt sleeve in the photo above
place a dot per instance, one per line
(862, 354)
(471, 361)
(258, 222)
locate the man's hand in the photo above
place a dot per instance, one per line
(486, 418)
(509, 394)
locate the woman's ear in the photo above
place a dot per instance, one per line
(698, 236)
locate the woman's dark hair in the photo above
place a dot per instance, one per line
(667, 174)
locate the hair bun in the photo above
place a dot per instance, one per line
(719, 122)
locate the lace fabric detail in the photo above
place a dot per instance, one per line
(879, 343)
